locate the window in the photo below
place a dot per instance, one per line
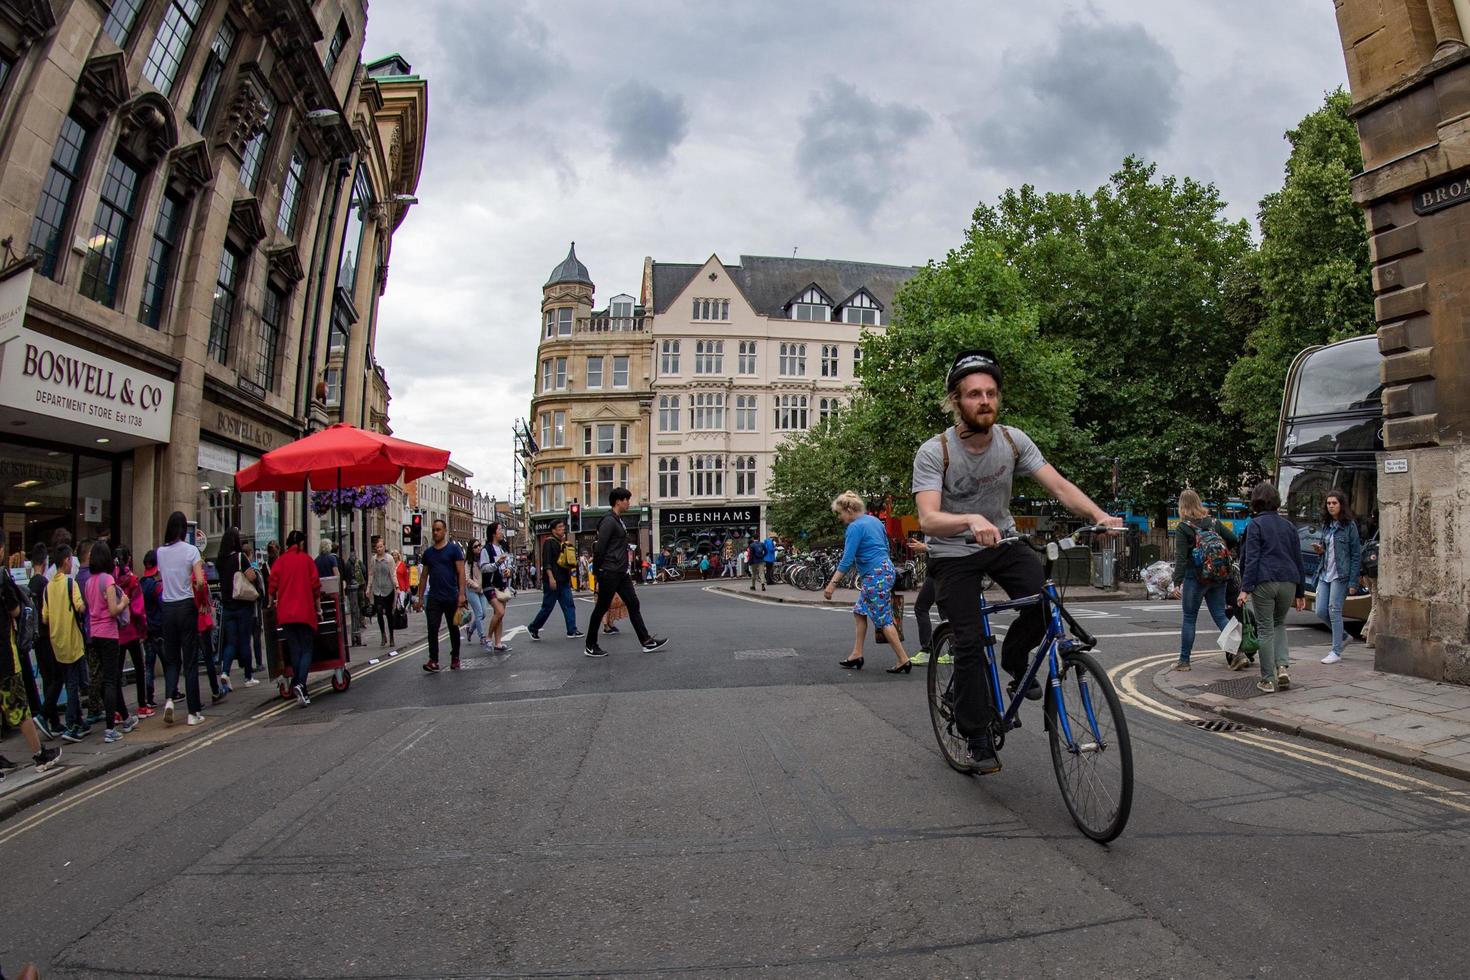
(250, 163)
(668, 413)
(857, 360)
(223, 313)
(334, 387)
(558, 430)
(594, 372)
(558, 492)
(550, 324)
(606, 433)
(545, 430)
(335, 46)
(668, 476)
(109, 231)
(560, 379)
(586, 440)
(56, 193)
(669, 357)
(711, 309)
(214, 69)
(170, 43)
(793, 360)
(623, 440)
(337, 335)
(862, 309)
(268, 346)
(620, 371)
(598, 493)
(827, 407)
(745, 476)
(811, 305)
(5, 65)
(829, 360)
(709, 356)
(160, 259)
(546, 375)
(707, 476)
(291, 192)
(747, 357)
(745, 406)
(707, 412)
(564, 321)
(791, 412)
(120, 20)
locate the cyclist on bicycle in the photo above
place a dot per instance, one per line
(962, 487)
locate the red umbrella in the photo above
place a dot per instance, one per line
(339, 456)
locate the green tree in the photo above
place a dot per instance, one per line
(1132, 278)
(1312, 268)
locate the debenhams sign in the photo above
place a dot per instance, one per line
(43, 375)
(708, 516)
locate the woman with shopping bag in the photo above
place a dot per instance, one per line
(1202, 562)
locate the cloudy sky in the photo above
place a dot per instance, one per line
(856, 129)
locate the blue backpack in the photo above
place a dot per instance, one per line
(1211, 556)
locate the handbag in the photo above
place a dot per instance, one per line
(400, 617)
(1250, 643)
(242, 589)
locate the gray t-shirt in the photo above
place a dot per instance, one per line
(977, 483)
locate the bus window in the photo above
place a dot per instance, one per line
(1304, 493)
(1339, 378)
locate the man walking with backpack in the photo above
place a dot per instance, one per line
(755, 557)
(1202, 565)
(610, 565)
(558, 561)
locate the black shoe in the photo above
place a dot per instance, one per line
(217, 698)
(534, 633)
(44, 729)
(46, 758)
(7, 766)
(903, 668)
(1033, 693)
(595, 652)
(574, 634)
(653, 643)
(851, 664)
(982, 755)
(611, 630)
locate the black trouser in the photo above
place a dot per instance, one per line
(1016, 569)
(610, 584)
(53, 681)
(28, 672)
(437, 610)
(134, 651)
(383, 606)
(922, 604)
(181, 651)
(109, 665)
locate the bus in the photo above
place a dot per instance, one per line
(1329, 437)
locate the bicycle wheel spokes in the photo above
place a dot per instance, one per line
(1094, 766)
(940, 686)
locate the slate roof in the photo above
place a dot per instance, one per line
(769, 283)
(570, 270)
(389, 66)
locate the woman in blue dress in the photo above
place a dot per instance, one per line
(866, 546)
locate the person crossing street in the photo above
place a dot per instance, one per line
(556, 581)
(610, 566)
(442, 593)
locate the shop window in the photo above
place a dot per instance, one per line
(171, 43)
(214, 69)
(161, 254)
(57, 193)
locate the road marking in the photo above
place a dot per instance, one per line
(168, 756)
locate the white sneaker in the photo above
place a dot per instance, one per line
(196, 719)
(252, 682)
(168, 711)
(1331, 658)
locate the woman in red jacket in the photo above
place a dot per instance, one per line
(296, 591)
(404, 582)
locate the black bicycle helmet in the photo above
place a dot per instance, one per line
(968, 362)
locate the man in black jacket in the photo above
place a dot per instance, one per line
(610, 564)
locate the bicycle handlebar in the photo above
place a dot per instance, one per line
(1089, 529)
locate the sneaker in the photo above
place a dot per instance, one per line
(1182, 665)
(1241, 662)
(946, 659)
(225, 687)
(920, 658)
(217, 698)
(574, 634)
(117, 719)
(252, 682)
(146, 712)
(73, 734)
(111, 735)
(168, 711)
(91, 720)
(1033, 693)
(534, 633)
(982, 755)
(1332, 658)
(196, 719)
(432, 666)
(654, 643)
(301, 695)
(7, 766)
(611, 630)
(502, 649)
(1266, 686)
(129, 725)
(46, 758)
(1283, 679)
(595, 652)
(454, 663)
(44, 729)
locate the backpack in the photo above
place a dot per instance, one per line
(568, 556)
(756, 553)
(1211, 556)
(26, 625)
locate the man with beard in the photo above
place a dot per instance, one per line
(962, 487)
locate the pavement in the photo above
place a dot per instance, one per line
(1133, 591)
(733, 805)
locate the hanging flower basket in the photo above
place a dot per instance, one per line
(348, 499)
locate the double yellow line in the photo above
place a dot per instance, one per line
(168, 756)
(1126, 676)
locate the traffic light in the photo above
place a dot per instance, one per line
(416, 530)
(574, 518)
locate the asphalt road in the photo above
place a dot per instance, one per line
(735, 805)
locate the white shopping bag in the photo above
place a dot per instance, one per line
(1230, 637)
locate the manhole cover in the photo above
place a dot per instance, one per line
(309, 716)
(1217, 725)
(1239, 688)
(772, 654)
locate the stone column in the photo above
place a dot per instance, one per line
(1449, 36)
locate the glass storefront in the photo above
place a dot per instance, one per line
(219, 507)
(45, 487)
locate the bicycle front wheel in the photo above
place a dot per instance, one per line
(952, 745)
(1095, 766)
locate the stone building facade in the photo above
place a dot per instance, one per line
(461, 503)
(1409, 69)
(184, 174)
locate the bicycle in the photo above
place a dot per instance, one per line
(1090, 749)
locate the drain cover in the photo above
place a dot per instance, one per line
(1239, 688)
(1217, 725)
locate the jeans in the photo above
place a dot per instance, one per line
(152, 651)
(922, 604)
(1016, 569)
(755, 575)
(235, 629)
(72, 678)
(608, 585)
(383, 607)
(1271, 601)
(109, 667)
(477, 615)
(1330, 597)
(181, 651)
(256, 642)
(549, 598)
(53, 681)
(437, 610)
(300, 643)
(1213, 596)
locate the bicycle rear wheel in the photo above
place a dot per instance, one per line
(1095, 771)
(952, 745)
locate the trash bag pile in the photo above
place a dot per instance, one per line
(1158, 579)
